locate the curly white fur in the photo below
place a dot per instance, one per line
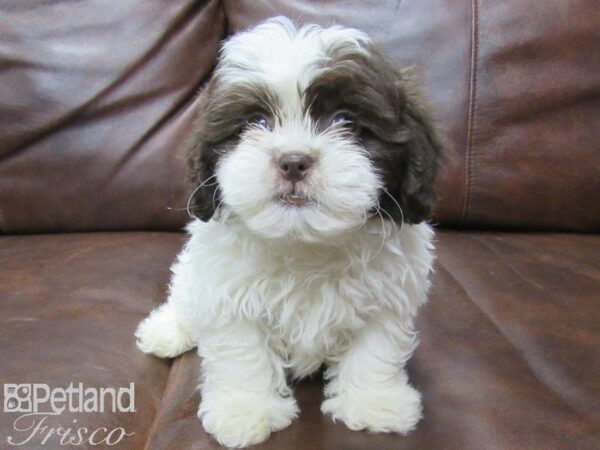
(265, 289)
(257, 308)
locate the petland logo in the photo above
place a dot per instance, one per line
(36, 402)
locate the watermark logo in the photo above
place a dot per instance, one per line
(17, 398)
(35, 403)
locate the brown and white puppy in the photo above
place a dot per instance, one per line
(312, 173)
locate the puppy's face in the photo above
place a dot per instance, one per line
(305, 134)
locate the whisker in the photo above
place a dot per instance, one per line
(214, 197)
(189, 201)
(378, 208)
(362, 224)
(399, 208)
(393, 222)
(217, 209)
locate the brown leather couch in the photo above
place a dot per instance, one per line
(96, 102)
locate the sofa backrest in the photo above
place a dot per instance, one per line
(97, 102)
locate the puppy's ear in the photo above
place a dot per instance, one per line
(202, 159)
(397, 132)
(224, 107)
(408, 152)
(423, 154)
(203, 184)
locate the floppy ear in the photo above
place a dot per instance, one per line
(203, 184)
(221, 120)
(397, 132)
(409, 152)
(423, 152)
(202, 159)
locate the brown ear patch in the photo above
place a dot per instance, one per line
(392, 125)
(222, 117)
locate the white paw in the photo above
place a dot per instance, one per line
(242, 419)
(161, 334)
(394, 409)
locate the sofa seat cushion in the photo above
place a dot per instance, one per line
(69, 305)
(509, 356)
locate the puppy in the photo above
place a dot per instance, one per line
(312, 170)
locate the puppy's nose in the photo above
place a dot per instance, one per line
(294, 166)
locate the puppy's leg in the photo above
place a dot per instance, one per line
(162, 332)
(368, 387)
(244, 392)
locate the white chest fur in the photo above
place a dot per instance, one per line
(308, 298)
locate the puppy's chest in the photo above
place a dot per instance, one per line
(311, 314)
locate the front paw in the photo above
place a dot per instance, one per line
(242, 419)
(394, 409)
(162, 335)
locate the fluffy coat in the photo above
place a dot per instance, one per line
(266, 288)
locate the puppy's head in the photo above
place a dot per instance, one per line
(306, 133)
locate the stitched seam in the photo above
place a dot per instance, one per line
(472, 106)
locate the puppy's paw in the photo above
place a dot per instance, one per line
(394, 409)
(161, 334)
(242, 419)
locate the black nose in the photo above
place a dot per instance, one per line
(294, 166)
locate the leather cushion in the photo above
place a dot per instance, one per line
(69, 305)
(96, 105)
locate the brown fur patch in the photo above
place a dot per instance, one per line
(224, 112)
(392, 125)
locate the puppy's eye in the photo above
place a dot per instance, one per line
(342, 118)
(260, 120)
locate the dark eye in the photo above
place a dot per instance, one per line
(260, 121)
(342, 118)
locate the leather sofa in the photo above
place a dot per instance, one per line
(96, 103)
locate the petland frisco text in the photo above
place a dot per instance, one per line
(37, 402)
